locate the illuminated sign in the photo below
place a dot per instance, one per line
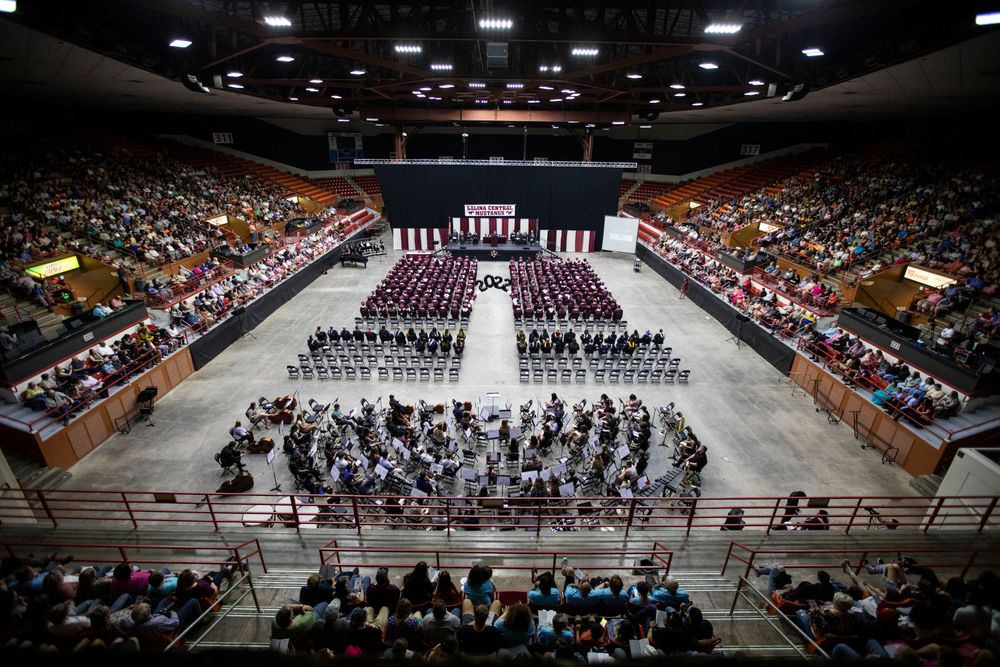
(925, 277)
(54, 268)
(489, 210)
(218, 220)
(767, 227)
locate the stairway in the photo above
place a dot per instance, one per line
(15, 310)
(291, 182)
(33, 475)
(927, 485)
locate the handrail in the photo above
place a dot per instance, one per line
(746, 555)
(742, 585)
(143, 508)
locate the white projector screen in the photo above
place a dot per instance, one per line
(620, 234)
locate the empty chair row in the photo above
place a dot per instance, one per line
(425, 374)
(373, 360)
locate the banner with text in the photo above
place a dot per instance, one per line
(489, 210)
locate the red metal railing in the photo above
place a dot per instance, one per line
(331, 555)
(70, 507)
(965, 558)
(136, 554)
(791, 292)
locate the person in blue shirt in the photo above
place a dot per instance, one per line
(612, 590)
(478, 586)
(549, 635)
(670, 593)
(516, 626)
(545, 594)
(160, 586)
(580, 596)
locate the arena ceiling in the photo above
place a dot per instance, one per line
(437, 62)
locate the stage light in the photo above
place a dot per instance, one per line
(405, 134)
(336, 97)
(590, 125)
(8, 6)
(343, 120)
(408, 48)
(477, 84)
(722, 28)
(293, 99)
(645, 127)
(680, 94)
(465, 135)
(568, 91)
(677, 86)
(654, 101)
(495, 24)
(584, 51)
(358, 71)
(426, 89)
(556, 99)
(751, 93)
(278, 21)
(990, 18)
(372, 120)
(312, 90)
(708, 66)
(447, 85)
(180, 43)
(315, 80)
(812, 52)
(508, 101)
(534, 101)
(546, 88)
(755, 82)
(285, 59)
(440, 67)
(617, 122)
(234, 75)
(514, 85)
(236, 86)
(697, 104)
(633, 75)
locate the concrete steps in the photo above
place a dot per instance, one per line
(926, 485)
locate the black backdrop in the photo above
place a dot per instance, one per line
(560, 197)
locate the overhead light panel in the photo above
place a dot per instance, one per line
(426, 89)
(312, 90)
(447, 85)
(293, 99)
(722, 28)
(278, 21)
(585, 51)
(990, 18)
(645, 127)
(697, 104)
(546, 88)
(372, 120)
(358, 71)
(236, 86)
(751, 93)
(315, 80)
(677, 86)
(813, 52)
(654, 101)
(8, 6)
(336, 97)
(465, 135)
(234, 75)
(441, 67)
(496, 24)
(755, 82)
(567, 91)
(534, 101)
(708, 66)
(617, 122)
(514, 85)
(477, 84)
(680, 94)
(285, 59)
(343, 120)
(180, 43)
(556, 99)
(508, 101)
(633, 75)
(408, 48)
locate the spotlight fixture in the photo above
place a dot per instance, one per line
(567, 91)
(617, 122)
(697, 104)
(514, 85)
(722, 28)
(465, 135)
(180, 43)
(408, 48)
(645, 127)
(336, 97)
(751, 93)
(812, 52)
(482, 101)
(550, 68)
(312, 90)
(278, 21)
(236, 86)
(546, 88)
(508, 101)
(584, 51)
(556, 99)
(441, 67)
(358, 71)
(495, 24)
(755, 82)
(293, 99)
(446, 85)
(680, 94)
(534, 101)
(343, 120)
(477, 84)
(654, 101)
(708, 66)
(315, 80)
(633, 75)
(234, 74)
(405, 134)
(677, 86)
(590, 125)
(285, 59)
(372, 120)
(426, 89)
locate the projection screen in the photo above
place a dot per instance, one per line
(620, 234)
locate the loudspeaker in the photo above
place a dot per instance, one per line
(240, 311)
(147, 394)
(496, 55)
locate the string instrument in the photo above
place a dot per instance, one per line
(286, 416)
(283, 402)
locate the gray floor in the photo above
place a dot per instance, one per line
(762, 439)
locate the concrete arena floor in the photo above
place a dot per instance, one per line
(761, 439)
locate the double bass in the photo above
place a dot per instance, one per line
(285, 410)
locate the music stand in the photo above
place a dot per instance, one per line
(145, 402)
(738, 336)
(240, 314)
(270, 461)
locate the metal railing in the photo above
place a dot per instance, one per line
(960, 562)
(684, 514)
(332, 556)
(758, 602)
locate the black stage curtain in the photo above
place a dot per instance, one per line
(211, 345)
(560, 197)
(759, 339)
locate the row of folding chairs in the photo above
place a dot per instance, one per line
(641, 376)
(416, 360)
(527, 324)
(368, 348)
(623, 363)
(398, 373)
(553, 375)
(550, 362)
(393, 323)
(641, 351)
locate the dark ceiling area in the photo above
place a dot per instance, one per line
(598, 61)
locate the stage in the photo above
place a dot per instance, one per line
(502, 252)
